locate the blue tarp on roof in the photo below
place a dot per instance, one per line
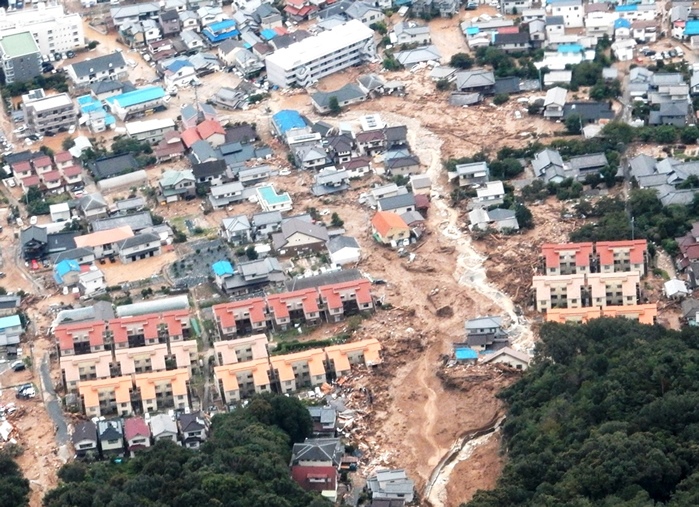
(137, 96)
(621, 23)
(472, 30)
(287, 119)
(63, 268)
(570, 48)
(222, 268)
(268, 34)
(465, 353)
(626, 8)
(691, 27)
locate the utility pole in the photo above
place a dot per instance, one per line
(633, 228)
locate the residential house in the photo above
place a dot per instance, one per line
(508, 357)
(473, 174)
(80, 338)
(151, 131)
(485, 333)
(194, 429)
(324, 421)
(670, 113)
(106, 396)
(512, 42)
(84, 439)
(241, 350)
(138, 247)
(10, 330)
(137, 434)
(322, 479)
(345, 96)
(619, 256)
(397, 204)
(110, 67)
(266, 223)
(104, 243)
(270, 200)
(341, 358)
(554, 102)
(402, 165)
(589, 112)
(476, 81)
(237, 230)
(226, 194)
(111, 436)
(170, 148)
(365, 12)
(170, 22)
(159, 390)
(614, 289)
(330, 181)
(300, 370)
(48, 114)
(343, 250)
(176, 185)
(310, 156)
(498, 219)
(389, 228)
(297, 236)
(490, 193)
(115, 165)
(391, 485)
(34, 241)
(163, 427)
(571, 11)
(410, 32)
(211, 171)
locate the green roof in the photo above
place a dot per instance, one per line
(18, 44)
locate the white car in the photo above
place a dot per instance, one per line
(20, 129)
(33, 220)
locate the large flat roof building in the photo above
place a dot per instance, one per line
(306, 61)
(54, 29)
(21, 58)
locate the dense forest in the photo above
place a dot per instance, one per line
(14, 488)
(244, 463)
(608, 415)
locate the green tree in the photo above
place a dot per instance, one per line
(618, 132)
(67, 143)
(443, 85)
(573, 123)
(379, 27)
(689, 135)
(251, 253)
(336, 221)
(666, 134)
(524, 217)
(334, 105)
(501, 98)
(461, 61)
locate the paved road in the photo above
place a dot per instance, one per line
(52, 405)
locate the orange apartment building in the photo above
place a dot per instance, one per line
(83, 338)
(107, 396)
(241, 380)
(241, 317)
(164, 389)
(279, 311)
(85, 367)
(614, 289)
(291, 372)
(341, 358)
(645, 314)
(616, 256)
(241, 350)
(300, 305)
(567, 258)
(302, 369)
(341, 298)
(559, 291)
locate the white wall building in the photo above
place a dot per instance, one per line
(54, 30)
(306, 61)
(152, 131)
(572, 11)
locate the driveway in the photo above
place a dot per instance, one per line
(53, 407)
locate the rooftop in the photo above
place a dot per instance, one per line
(19, 44)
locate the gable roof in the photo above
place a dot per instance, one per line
(92, 201)
(337, 243)
(348, 92)
(211, 168)
(107, 167)
(295, 225)
(475, 79)
(318, 449)
(33, 233)
(84, 431)
(139, 239)
(192, 422)
(99, 64)
(136, 427)
(397, 201)
(384, 221)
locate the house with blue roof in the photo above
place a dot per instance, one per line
(466, 355)
(67, 272)
(286, 120)
(691, 28)
(268, 34)
(92, 110)
(137, 101)
(570, 48)
(222, 270)
(221, 31)
(10, 330)
(622, 29)
(179, 73)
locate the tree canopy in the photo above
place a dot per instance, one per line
(607, 415)
(244, 463)
(14, 488)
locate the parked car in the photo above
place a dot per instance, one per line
(672, 53)
(18, 366)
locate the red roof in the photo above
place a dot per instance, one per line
(691, 251)
(307, 297)
(281, 30)
(72, 170)
(63, 156)
(303, 11)
(207, 128)
(422, 201)
(172, 136)
(42, 162)
(21, 167)
(552, 253)
(225, 313)
(384, 221)
(508, 29)
(164, 148)
(174, 320)
(65, 332)
(190, 136)
(331, 293)
(315, 478)
(149, 324)
(136, 427)
(296, 3)
(54, 175)
(637, 249)
(30, 181)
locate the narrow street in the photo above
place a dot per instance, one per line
(53, 407)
